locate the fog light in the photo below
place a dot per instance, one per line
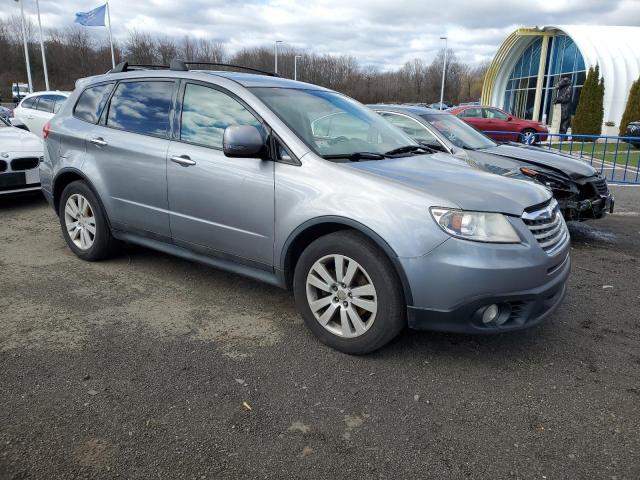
(490, 314)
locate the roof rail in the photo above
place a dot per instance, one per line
(181, 66)
(127, 67)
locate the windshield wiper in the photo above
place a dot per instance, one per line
(356, 156)
(407, 149)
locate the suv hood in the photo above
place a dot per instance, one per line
(17, 140)
(448, 178)
(535, 156)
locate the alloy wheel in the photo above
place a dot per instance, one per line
(80, 221)
(341, 296)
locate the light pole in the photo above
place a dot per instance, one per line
(295, 66)
(44, 59)
(276, 55)
(26, 49)
(444, 71)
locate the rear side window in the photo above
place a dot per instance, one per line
(91, 102)
(28, 102)
(471, 113)
(141, 107)
(206, 112)
(46, 103)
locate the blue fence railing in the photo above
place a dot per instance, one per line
(616, 158)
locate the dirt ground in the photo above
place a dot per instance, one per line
(148, 366)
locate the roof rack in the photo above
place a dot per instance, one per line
(181, 66)
(127, 67)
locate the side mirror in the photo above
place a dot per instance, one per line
(509, 118)
(243, 141)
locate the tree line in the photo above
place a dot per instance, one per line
(73, 53)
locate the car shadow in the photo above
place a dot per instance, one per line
(21, 201)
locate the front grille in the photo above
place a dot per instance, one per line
(3, 165)
(600, 186)
(28, 163)
(547, 226)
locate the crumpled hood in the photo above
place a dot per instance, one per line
(537, 156)
(443, 176)
(17, 140)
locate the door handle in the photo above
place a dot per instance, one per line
(99, 141)
(182, 160)
(30, 117)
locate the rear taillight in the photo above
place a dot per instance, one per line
(45, 130)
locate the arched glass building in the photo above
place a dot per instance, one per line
(530, 62)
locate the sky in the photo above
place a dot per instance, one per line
(383, 33)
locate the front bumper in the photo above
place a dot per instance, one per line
(453, 285)
(586, 209)
(518, 309)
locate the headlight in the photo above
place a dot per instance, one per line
(476, 226)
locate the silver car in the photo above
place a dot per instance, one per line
(303, 188)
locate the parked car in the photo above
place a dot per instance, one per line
(37, 109)
(582, 193)
(633, 130)
(6, 113)
(304, 188)
(438, 106)
(19, 91)
(495, 121)
(20, 154)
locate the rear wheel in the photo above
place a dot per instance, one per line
(84, 223)
(528, 136)
(348, 293)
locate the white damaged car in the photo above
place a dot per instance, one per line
(20, 156)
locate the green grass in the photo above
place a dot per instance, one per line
(598, 152)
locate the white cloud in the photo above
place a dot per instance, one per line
(376, 32)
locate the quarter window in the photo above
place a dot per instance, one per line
(206, 112)
(141, 107)
(91, 102)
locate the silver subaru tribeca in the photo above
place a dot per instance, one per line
(303, 188)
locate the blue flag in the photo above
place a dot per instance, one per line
(93, 18)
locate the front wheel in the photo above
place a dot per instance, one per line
(348, 293)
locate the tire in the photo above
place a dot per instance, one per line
(351, 328)
(96, 245)
(525, 133)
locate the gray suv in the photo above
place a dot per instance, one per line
(303, 188)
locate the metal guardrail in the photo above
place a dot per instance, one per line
(616, 158)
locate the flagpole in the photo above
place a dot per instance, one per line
(113, 57)
(44, 59)
(26, 49)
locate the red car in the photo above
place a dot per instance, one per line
(491, 119)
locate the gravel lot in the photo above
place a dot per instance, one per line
(148, 366)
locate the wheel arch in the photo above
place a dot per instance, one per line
(315, 228)
(64, 178)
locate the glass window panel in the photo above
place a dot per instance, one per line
(579, 61)
(141, 107)
(413, 128)
(91, 102)
(206, 113)
(580, 77)
(535, 57)
(568, 56)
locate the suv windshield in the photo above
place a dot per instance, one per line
(331, 124)
(458, 132)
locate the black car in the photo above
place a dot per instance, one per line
(633, 130)
(582, 193)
